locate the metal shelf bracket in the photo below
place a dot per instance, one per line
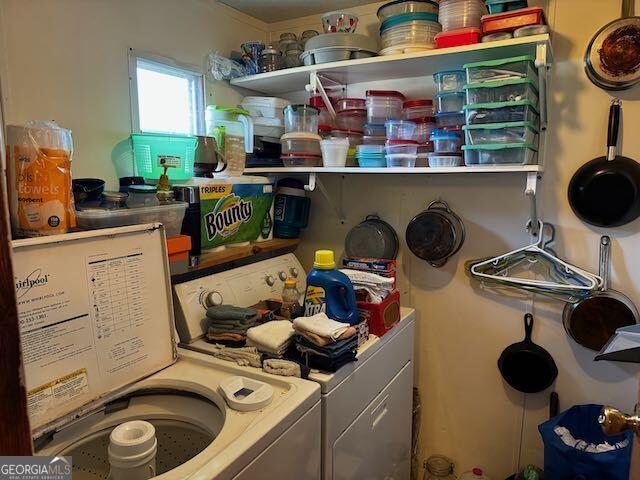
(542, 62)
(316, 87)
(533, 225)
(314, 181)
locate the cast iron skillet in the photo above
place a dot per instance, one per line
(593, 320)
(525, 366)
(605, 191)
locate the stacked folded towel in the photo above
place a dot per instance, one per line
(324, 343)
(228, 325)
(272, 338)
(376, 287)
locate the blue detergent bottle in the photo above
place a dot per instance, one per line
(330, 291)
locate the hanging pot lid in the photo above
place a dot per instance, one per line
(372, 238)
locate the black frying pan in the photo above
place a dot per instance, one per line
(525, 366)
(605, 191)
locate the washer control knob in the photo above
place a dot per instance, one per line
(282, 276)
(294, 272)
(212, 298)
(270, 280)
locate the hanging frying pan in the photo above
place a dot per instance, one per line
(605, 191)
(594, 319)
(525, 366)
(612, 59)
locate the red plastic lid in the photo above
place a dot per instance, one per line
(427, 102)
(477, 471)
(350, 99)
(424, 120)
(317, 102)
(324, 128)
(461, 32)
(452, 128)
(359, 112)
(348, 132)
(514, 13)
(397, 141)
(385, 93)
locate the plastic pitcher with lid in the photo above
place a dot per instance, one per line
(233, 131)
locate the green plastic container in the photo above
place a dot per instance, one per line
(500, 154)
(152, 152)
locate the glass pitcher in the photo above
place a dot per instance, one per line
(233, 130)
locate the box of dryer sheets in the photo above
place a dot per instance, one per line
(381, 317)
(235, 210)
(380, 266)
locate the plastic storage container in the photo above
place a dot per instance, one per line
(270, 107)
(325, 121)
(301, 118)
(511, 68)
(450, 81)
(424, 127)
(371, 156)
(170, 214)
(330, 291)
(400, 129)
(415, 33)
(449, 102)
(350, 104)
(142, 196)
(152, 152)
(449, 119)
(392, 9)
(355, 138)
(301, 160)
(412, 109)
(374, 130)
(301, 142)
(456, 38)
(374, 139)
(383, 105)
(500, 112)
(334, 151)
(401, 160)
(510, 21)
(502, 91)
(351, 120)
(500, 154)
(445, 159)
(497, 37)
(458, 14)
(446, 141)
(492, 133)
(499, 6)
(405, 147)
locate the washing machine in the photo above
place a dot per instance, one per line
(99, 349)
(366, 405)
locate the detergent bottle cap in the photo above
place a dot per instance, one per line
(324, 260)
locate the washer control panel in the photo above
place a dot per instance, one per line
(243, 286)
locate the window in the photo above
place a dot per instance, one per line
(165, 97)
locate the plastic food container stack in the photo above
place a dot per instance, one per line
(512, 68)
(510, 21)
(450, 81)
(409, 32)
(343, 104)
(383, 105)
(449, 102)
(502, 91)
(413, 109)
(353, 120)
(325, 121)
(301, 118)
(444, 160)
(501, 112)
(449, 119)
(459, 14)
(494, 133)
(395, 8)
(424, 127)
(446, 141)
(301, 149)
(401, 153)
(371, 156)
(500, 154)
(400, 129)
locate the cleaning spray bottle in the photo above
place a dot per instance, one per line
(330, 291)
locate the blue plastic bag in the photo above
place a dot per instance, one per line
(564, 462)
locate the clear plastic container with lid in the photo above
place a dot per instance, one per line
(301, 118)
(424, 127)
(449, 119)
(395, 8)
(458, 14)
(500, 154)
(412, 109)
(450, 81)
(351, 120)
(446, 141)
(512, 132)
(445, 159)
(498, 112)
(350, 104)
(502, 91)
(301, 160)
(405, 147)
(511, 68)
(142, 196)
(383, 105)
(401, 160)
(301, 142)
(449, 102)
(334, 151)
(459, 37)
(400, 129)
(374, 130)
(414, 33)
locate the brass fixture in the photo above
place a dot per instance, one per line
(614, 422)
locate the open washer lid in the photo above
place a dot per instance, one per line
(95, 314)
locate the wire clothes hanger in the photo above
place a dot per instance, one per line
(561, 280)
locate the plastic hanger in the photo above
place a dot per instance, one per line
(577, 280)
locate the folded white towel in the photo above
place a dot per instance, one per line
(368, 278)
(271, 336)
(321, 325)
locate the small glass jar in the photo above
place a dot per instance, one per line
(438, 467)
(113, 200)
(270, 60)
(292, 58)
(291, 307)
(142, 196)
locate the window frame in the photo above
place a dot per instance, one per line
(170, 64)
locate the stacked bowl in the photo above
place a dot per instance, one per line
(408, 26)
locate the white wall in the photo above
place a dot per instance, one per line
(67, 60)
(469, 413)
